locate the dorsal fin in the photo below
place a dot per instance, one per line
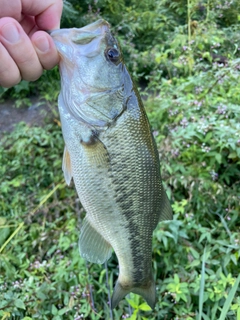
(166, 209)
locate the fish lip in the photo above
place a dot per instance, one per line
(92, 30)
(95, 25)
(56, 32)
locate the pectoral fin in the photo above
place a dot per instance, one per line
(93, 247)
(166, 209)
(66, 166)
(95, 152)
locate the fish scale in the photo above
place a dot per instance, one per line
(111, 156)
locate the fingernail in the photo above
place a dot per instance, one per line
(10, 33)
(42, 44)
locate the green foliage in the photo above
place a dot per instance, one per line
(187, 54)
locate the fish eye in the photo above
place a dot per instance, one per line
(113, 54)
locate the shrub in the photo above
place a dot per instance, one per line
(186, 56)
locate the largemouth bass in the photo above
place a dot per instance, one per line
(111, 155)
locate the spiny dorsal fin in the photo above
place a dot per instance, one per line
(93, 247)
(66, 166)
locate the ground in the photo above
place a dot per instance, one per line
(32, 115)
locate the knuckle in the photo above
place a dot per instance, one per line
(9, 72)
(26, 60)
(30, 67)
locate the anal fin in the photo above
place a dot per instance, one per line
(93, 247)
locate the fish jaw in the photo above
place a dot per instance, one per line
(89, 80)
(66, 39)
(78, 43)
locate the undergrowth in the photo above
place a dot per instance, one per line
(187, 56)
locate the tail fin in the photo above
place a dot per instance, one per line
(148, 293)
(118, 294)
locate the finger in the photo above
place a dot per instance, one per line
(11, 9)
(9, 72)
(28, 24)
(47, 13)
(20, 48)
(46, 49)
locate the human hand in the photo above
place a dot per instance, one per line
(25, 49)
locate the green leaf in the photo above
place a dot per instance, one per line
(234, 259)
(54, 310)
(132, 303)
(3, 221)
(208, 137)
(232, 155)
(63, 311)
(202, 285)
(4, 233)
(195, 263)
(205, 317)
(19, 304)
(218, 157)
(229, 299)
(194, 253)
(133, 316)
(183, 297)
(176, 278)
(145, 307)
(41, 295)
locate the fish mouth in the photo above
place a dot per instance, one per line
(80, 36)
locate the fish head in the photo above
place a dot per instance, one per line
(91, 68)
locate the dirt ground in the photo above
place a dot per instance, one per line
(32, 115)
